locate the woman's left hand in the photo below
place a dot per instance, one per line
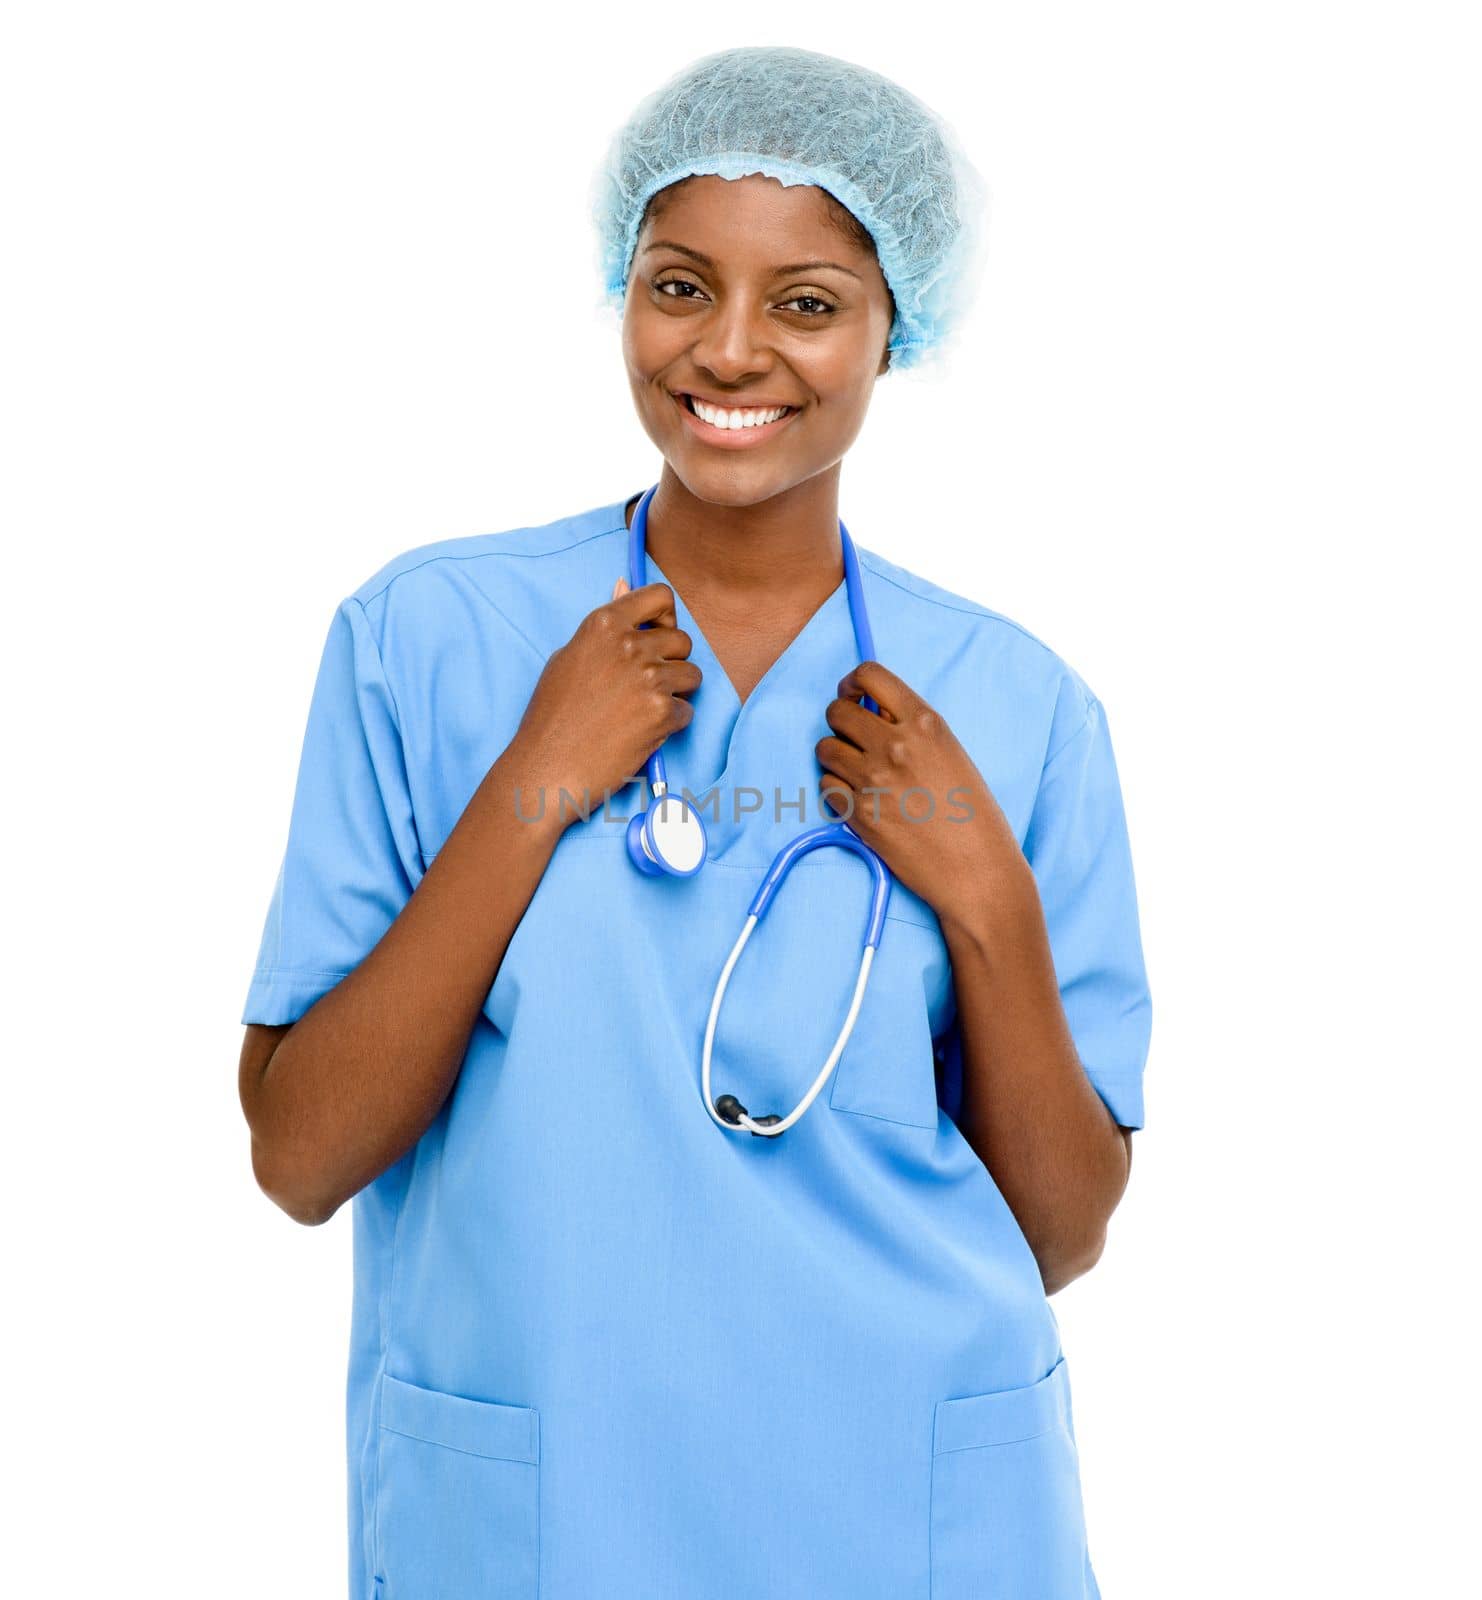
(912, 793)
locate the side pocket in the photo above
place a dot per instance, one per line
(1006, 1515)
(458, 1496)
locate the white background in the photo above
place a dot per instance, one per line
(291, 288)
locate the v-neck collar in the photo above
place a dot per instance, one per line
(712, 739)
(698, 637)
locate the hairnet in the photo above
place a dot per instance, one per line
(801, 117)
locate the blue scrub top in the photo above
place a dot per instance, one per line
(601, 1347)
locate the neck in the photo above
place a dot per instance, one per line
(773, 554)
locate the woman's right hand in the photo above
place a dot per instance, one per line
(607, 699)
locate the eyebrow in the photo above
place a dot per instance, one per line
(779, 272)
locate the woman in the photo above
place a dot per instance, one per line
(609, 1341)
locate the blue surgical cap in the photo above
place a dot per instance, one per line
(801, 117)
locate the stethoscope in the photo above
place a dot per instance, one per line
(670, 838)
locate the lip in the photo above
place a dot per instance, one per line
(730, 438)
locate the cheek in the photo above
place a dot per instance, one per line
(632, 341)
(846, 370)
(651, 343)
(846, 405)
(638, 331)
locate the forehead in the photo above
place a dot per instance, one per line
(755, 215)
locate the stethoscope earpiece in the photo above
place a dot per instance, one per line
(731, 1110)
(668, 838)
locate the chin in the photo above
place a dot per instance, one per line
(724, 484)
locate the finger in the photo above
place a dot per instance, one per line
(842, 759)
(838, 799)
(678, 677)
(851, 721)
(661, 643)
(654, 602)
(890, 693)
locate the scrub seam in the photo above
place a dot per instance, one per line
(479, 555)
(879, 1116)
(388, 1301)
(540, 655)
(378, 1565)
(380, 663)
(1092, 708)
(1000, 1444)
(442, 1444)
(297, 972)
(401, 734)
(484, 595)
(524, 555)
(967, 608)
(931, 1515)
(472, 555)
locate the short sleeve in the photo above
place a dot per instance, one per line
(1078, 848)
(352, 858)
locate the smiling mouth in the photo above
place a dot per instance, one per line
(733, 428)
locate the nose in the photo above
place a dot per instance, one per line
(734, 342)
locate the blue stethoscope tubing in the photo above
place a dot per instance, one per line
(653, 854)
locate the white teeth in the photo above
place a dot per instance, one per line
(735, 418)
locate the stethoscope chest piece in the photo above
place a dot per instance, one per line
(667, 837)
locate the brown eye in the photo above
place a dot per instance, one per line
(823, 305)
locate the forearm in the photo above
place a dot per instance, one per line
(1028, 1109)
(356, 1080)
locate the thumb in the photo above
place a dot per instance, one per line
(620, 587)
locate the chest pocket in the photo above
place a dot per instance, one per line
(888, 1068)
(790, 992)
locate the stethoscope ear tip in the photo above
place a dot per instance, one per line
(730, 1110)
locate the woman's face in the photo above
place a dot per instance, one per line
(748, 294)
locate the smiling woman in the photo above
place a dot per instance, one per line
(607, 1339)
(714, 284)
